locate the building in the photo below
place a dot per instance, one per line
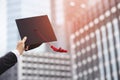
(45, 66)
(94, 38)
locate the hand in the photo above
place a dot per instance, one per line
(21, 45)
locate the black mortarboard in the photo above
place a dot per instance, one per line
(37, 29)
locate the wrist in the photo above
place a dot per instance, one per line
(16, 52)
(19, 51)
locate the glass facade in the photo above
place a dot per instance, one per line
(94, 39)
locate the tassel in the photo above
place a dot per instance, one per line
(52, 47)
(58, 49)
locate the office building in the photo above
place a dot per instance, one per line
(44, 66)
(94, 38)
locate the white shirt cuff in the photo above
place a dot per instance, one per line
(16, 53)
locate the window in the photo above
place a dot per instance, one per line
(111, 47)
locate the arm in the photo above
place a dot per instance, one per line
(10, 58)
(7, 61)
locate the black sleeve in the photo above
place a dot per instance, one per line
(7, 61)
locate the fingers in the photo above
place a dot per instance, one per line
(24, 39)
(27, 47)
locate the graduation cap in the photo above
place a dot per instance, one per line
(38, 30)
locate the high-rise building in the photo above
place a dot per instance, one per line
(44, 66)
(94, 38)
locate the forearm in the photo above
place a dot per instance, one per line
(11, 58)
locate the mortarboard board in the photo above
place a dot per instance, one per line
(37, 29)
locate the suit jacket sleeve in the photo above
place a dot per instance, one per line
(7, 61)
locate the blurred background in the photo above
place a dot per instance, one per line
(88, 29)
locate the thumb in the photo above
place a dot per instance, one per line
(24, 39)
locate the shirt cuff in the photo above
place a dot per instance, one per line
(16, 53)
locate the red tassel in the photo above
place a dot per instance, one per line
(52, 47)
(58, 49)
